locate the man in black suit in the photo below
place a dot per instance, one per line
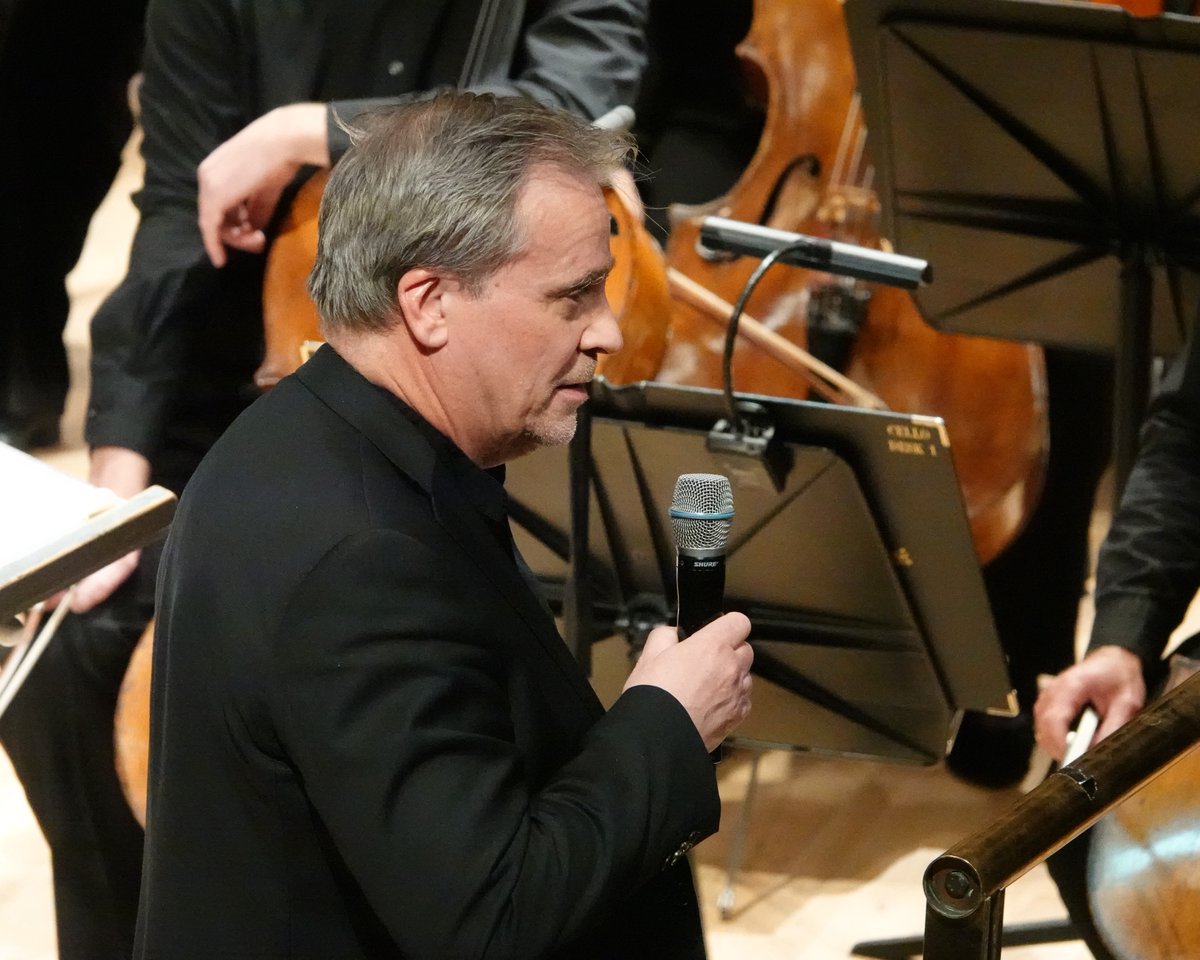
(175, 346)
(368, 738)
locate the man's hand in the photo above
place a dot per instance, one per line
(709, 673)
(126, 474)
(241, 181)
(1109, 679)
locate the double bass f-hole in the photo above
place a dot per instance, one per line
(808, 165)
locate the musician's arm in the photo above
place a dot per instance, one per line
(240, 183)
(1148, 571)
(126, 473)
(586, 56)
(1149, 565)
(145, 332)
(1108, 679)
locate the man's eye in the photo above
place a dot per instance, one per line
(591, 291)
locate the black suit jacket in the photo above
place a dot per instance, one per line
(368, 739)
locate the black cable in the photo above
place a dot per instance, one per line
(731, 331)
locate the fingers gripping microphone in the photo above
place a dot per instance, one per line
(701, 514)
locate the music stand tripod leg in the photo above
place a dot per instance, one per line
(1131, 365)
(1029, 934)
(727, 898)
(25, 655)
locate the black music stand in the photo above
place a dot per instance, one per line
(1043, 156)
(850, 552)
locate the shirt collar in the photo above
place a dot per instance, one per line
(483, 487)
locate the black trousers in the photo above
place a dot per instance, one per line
(58, 732)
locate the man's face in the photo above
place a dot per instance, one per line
(530, 341)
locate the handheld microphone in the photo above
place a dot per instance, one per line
(701, 515)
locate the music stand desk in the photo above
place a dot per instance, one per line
(1042, 156)
(853, 561)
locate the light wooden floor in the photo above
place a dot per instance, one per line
(835, 849)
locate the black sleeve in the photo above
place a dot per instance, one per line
(401, 722)
(190, 104)
(586, 56)
(1149, 566)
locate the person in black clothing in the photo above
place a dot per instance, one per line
(175, 345)
(394, 771)
(1148, 571)
(64, 70)
(1147, 574)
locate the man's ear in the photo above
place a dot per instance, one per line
(422, 296)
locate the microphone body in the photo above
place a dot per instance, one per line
(700, 583)
(701, 515)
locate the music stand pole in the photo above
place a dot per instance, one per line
(1131, 364)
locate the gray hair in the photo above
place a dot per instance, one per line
(434, 183)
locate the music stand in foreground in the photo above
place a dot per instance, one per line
(850, 552)
(1043, 156)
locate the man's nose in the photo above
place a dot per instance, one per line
(603, 334)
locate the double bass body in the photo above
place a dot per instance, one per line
(811, 174)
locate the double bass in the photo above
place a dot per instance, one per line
(811, 174)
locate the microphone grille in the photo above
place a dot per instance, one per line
(702, 511)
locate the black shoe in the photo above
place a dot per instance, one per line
(29, 433)
(992, 751)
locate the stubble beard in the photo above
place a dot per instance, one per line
(558, 433)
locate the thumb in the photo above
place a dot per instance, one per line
(659, 640)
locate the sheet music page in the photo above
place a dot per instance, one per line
(39, 504)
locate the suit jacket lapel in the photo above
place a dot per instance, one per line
(467, 527)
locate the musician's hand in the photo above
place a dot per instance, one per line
(1109, 679)
(126, 473)
(241, 181)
